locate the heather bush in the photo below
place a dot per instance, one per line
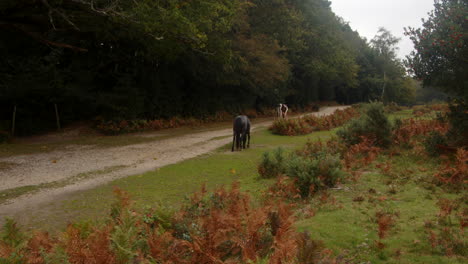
(273, 163)
(373, 123)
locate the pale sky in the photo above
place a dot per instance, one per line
(366, 16)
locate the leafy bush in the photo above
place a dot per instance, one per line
(314, 174)
(273, 163)
(458, 119)
(314, 168)
(433, 142)
(373, 124)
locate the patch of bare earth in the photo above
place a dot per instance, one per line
(75, 167)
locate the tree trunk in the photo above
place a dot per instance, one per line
(383, 88)
(13, 122)
(57, 117)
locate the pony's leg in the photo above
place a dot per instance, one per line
(244, 139)
(233, 141)
(248, 143)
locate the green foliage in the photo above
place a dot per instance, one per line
(126, 240)
(11, 234)
(373, 124)
(441, 48)
(273, 163)
(151, 60)
(315, 174)
(311, 170)
(458, 120)
(433, 141)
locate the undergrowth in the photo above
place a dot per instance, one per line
(310, 123)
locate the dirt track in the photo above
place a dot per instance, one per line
(79, 168)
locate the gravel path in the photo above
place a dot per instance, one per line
(83, 167)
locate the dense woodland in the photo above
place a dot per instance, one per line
(150, 59)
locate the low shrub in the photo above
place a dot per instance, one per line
(309, 123)
(314, 174)
(316, 167)
(273, 163)
(291, 127)
(457, 134)
(361, 154)
(447, 233)
(454, 173)
(433, 142)
(411, 131)
(314, 148)
(373, 124)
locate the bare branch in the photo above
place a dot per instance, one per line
(46, 41)
(54, 10)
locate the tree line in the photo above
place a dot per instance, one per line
(147, 59)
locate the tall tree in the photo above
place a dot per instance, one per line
(384, 43)
(441, 48)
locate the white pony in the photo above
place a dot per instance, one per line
(282, 110)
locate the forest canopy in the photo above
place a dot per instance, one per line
(147, 59)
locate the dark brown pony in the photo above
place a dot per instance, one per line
(241, 130)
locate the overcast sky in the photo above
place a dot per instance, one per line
(366, 16)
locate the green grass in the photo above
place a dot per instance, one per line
(347, 227)
(170, 184)
(353, 227)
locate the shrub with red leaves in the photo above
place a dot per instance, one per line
(309, 123)
(444, 234)
(412, 130)
(454, 173)
(222, 227)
